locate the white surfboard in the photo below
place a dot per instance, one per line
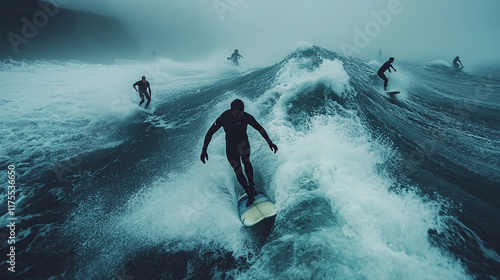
(260, 209)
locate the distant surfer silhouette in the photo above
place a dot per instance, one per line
(143, 87)
(235, 122)
(456, 61)
(386, 66)
(234, 57)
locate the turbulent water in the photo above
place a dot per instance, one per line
(366, 185)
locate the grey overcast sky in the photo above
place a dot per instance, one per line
(266, 30)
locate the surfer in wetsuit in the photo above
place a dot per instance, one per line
(143, 87)
(235, 122)
(234, 57)
(386, 66)
(456, 61)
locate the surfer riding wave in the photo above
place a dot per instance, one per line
(235, 122)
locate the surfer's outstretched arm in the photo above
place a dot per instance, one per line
(264, 134)
(272, 146)
(208, 137)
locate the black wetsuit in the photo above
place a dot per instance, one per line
(237, 146)
(386, 66)
(456, 61)
(143, 86)
(234, 58)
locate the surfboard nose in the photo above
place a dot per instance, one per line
(261, 209)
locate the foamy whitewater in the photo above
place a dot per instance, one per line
(366, 185)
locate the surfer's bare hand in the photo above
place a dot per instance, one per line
(273, 147)
(203, 156)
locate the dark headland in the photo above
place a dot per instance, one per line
(32, 29)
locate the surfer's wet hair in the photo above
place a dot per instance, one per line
(237, 104)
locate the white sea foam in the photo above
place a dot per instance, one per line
(376, 234)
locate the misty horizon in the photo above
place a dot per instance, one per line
(265, 32)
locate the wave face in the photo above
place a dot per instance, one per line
(367, 185)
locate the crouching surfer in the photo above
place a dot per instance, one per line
(386, 66)
(143, 87)
(456, 61)
(234, 57)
